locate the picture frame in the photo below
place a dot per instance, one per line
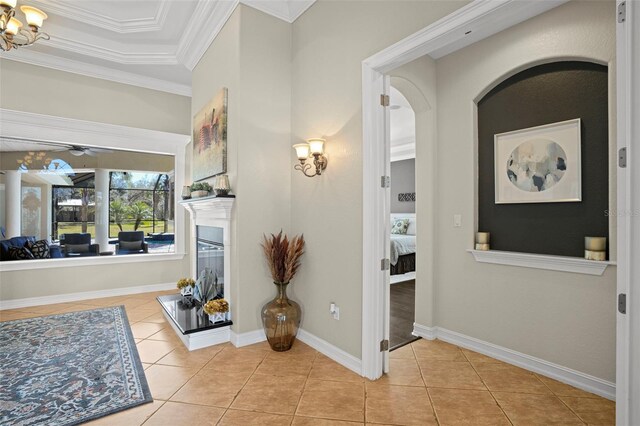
(539, 164)
(210, 138)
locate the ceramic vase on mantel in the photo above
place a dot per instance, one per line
(281, 320)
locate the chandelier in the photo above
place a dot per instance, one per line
(12, 33)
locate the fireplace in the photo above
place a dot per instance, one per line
(211, 249)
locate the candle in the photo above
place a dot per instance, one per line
(186, 192)
(482, 247)
(483, 237)
(595, 255)
(595, 243)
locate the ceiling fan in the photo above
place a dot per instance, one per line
(79, 151)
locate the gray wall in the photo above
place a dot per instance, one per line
(403, 180)
(564, 318)
(252, 58)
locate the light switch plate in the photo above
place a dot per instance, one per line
(457, 221)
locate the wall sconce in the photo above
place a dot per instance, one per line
(312, 148)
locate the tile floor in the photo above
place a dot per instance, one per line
(430, 383)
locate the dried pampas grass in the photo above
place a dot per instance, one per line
(283, 255)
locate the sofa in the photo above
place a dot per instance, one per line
(26, 242)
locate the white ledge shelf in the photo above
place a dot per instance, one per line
(575, 265)
(209, 207)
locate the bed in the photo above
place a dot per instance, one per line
(403, 247)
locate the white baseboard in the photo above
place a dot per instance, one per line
(423, 331)
(74, 297)
(322, 346)
(249, 338)
(563, 374)
(338, 355)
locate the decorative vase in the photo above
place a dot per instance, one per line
(281, 320)
(218, 317)
(186, 193)
(222, 186)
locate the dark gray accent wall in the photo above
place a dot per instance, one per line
(541, 95)
(403, 180)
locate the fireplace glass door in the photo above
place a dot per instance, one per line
(210, 246)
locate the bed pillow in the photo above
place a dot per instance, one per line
(411, 230)
(400, 226)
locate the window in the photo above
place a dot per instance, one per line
(74, 206)
(140, 201)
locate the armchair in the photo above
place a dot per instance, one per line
(79, 245)
(131, 242)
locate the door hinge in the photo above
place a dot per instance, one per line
(385, 181)
(384, 100)
(385, 264)
(384, 345)
(622, 158)
(622, 12)
(622, 303)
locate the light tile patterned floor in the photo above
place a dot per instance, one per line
(430, 383)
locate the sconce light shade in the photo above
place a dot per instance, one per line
(13, 26)
(316, 146)
(312, 148)
(9, 3)
(35, 17)
(302, 151)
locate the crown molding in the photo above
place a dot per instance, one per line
(97, 71)
(208, 20)
(72, 10)
(98, 52)
(288, 11)
(297, 8)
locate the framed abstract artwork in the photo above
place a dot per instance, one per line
(539, 164)
(210, 138)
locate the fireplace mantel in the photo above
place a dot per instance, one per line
(205, 209)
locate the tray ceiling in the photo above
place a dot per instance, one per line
(148, 43)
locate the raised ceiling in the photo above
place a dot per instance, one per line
(147, 43)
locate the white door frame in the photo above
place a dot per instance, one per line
(484, 18)
(628, 130)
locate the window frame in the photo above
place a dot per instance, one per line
(30, 126)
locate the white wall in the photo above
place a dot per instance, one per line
(330, 40)
(568, 319)
(46, 91)
(417, 82)
(252, 58)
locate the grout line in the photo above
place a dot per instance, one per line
(304, 386)
(560, 399)
(489, 390)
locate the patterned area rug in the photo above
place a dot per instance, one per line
(70, 368)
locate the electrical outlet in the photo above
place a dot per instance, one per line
(457, 221)
(334, 311)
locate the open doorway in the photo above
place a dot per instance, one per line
(403, 220)
(457, 165)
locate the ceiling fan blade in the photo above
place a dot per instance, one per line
(101, 150)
